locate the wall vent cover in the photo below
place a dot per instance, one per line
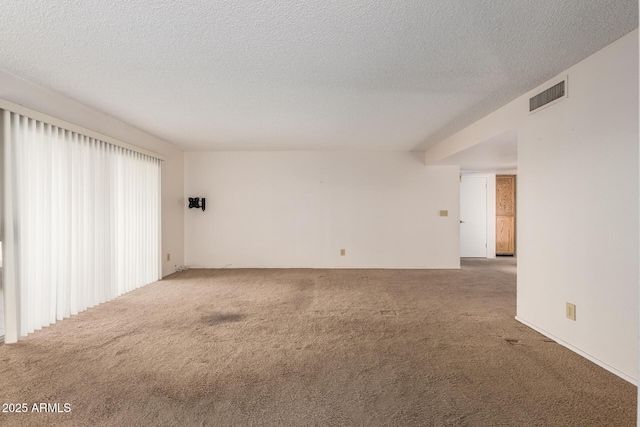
(554, 93)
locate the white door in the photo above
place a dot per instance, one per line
(473, 217)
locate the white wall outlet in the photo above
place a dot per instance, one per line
(571, 311)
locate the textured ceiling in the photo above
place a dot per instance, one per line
(302, 75)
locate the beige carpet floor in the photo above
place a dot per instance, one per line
(310, 348)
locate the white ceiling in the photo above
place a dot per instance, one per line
(302, 75)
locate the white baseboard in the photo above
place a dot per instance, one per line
(580, 352)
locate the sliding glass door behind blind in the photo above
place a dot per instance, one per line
(81, 220)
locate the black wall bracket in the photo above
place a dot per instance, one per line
(196, 202)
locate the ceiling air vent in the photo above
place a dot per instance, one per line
(554, 93)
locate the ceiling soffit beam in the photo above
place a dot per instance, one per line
(504, 119)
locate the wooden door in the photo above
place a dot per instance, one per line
(505, 214)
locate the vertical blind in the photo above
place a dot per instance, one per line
(81, 222)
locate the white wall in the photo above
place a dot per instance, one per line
(298, 209)
(56, 105)
(578, 210)
(577, 206)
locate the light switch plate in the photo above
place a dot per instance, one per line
(444, 213)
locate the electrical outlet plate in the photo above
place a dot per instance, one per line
(571, 311)
(343, 252)
(168, 257)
